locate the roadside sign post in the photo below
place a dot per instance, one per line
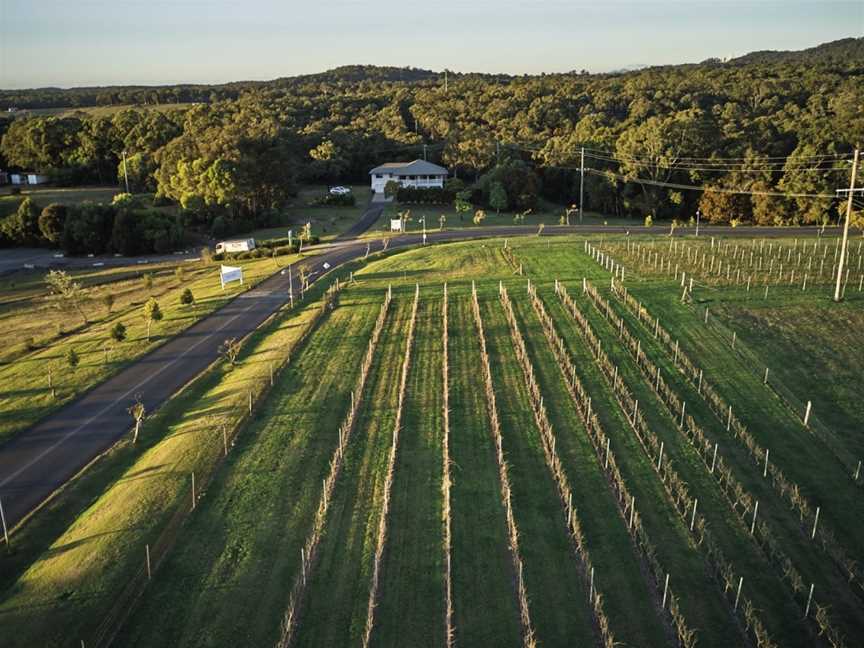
(227, 274)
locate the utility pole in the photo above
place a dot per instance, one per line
(424, 152)
(838, 287)
(581, 183)
(445, 82)
(125, 172)
(497, 152)
(698, 218)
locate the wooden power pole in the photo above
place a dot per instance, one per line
(838, 288)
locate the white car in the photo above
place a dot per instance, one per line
(339, 191)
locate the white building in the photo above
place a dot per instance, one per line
(27, 178)
(418, 173)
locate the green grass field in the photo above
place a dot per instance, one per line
(36, 334)
(230, 570)
(547, 214)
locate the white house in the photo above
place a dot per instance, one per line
(418, 173)
(27, 178)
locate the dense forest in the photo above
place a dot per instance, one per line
(779, 126)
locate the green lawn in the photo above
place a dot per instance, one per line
(327, 222)
(31, 323)
(547, 214)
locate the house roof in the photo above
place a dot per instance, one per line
(417, 167)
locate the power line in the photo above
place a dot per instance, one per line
(843, 156)
(675, 185)
(744, 168)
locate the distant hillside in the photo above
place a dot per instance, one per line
(836, 53)
(839, 51)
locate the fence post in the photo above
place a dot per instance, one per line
(147, 553)
(807, 413)
(765, 471)
(714, 460)
(193, 490)
(693, 517)
(753, 523)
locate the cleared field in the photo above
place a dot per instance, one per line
(327, 221)
(546, 214)
(671, 546)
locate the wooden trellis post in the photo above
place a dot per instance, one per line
(665, 592)
(815, 522)
(5, 530)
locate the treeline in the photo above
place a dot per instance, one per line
(781, 131)
(88, 228)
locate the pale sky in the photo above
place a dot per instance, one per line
(98, 42)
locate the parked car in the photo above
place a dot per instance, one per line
(237, 245)
(340, 191)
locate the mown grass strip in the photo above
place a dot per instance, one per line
(553, 463)
(485, 609)
(552, 569)
(383, 517)
(336, 601)
(528, 638)
(412, 594)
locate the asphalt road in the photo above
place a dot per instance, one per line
(34, 463)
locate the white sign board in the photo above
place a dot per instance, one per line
(395, 224)
(228, 274)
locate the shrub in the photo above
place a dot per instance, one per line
(424, 195)
(22, 227)
(124, 234)
(88, 229)
(51, 222)
(118, 332)
(186, 297)
(15, 191)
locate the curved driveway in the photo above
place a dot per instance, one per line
(39, 460)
